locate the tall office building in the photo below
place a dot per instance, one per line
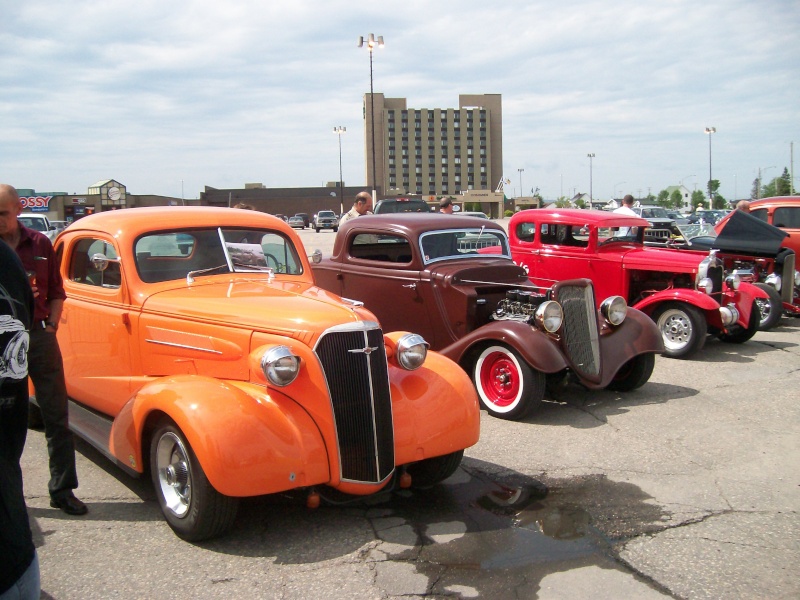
(434, 151)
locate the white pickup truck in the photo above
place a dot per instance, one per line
(39, 222)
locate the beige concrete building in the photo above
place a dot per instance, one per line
(434, 151)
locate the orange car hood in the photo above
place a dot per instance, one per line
(274, 307)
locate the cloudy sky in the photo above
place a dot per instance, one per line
(168, 97)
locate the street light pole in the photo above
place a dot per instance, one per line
(521, 193)
(709, 131)
(339, 130)
(591, 156)
(371, 42)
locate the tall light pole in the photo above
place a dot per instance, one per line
(521, 193)
(709, 131)
(591, 156)
(339, 130)
(371, 42)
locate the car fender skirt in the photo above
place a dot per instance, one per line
(435, 410)
(538, 349)
(248, 442)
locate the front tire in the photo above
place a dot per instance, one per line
(427, 473)
(192, 507)
(634, 373)
(740, 334)
(507, 386)
(771, 309)
(683, 328)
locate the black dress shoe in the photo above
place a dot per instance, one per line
(70, 505)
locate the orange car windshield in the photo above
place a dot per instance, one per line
(168, 255)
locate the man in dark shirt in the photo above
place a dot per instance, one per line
(46, 368)
(19, 566)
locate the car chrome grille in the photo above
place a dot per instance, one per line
(353, 358)
(580, 337)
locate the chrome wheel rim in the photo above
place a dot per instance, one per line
(765, 306)
(174, 474)
(676, 329)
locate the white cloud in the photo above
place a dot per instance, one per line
(206, 93)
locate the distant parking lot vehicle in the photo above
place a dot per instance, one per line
(199, 350)
(325, 219)
(297, 221)
(39, 222)
(401, 205)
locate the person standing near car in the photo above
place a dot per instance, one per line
(446, 206)
(19, 565)
(361, 206)
(46, 368)
(626, 209)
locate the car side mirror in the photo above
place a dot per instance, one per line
(316, 257)
(100, 261)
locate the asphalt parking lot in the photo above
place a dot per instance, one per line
(686, 488)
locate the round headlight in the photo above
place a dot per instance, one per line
(412, 349)
(280, 366)
(549, 316)
(774, 280)
(614, 309)
(733, 281)
(706, 285)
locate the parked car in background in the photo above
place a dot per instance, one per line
(711, 217)
(306, 219)
(686, 294)
(225, 372)
(661, 224)
(782, 212)
(326, 219)
(750, 249)
(39, 222)
(424, 271)
(297, 221)
(469, 213)
(400, 205)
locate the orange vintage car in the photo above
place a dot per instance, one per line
(198, 347)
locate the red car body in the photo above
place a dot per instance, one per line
(557, 244)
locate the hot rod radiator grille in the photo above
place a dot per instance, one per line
(354, 361)
(580, 337)
(787, 277)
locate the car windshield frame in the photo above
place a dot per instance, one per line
(461, 243)
(174, 254)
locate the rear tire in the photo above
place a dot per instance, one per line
(771, 309)
(507, 386)
(683, 328)
(192, 507)
(634, 373)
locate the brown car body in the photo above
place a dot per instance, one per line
(468, 305)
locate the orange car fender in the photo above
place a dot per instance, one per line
(535, 346)
(248, 442)
(435, 409)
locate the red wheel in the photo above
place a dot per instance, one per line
(507, 386)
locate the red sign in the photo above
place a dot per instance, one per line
(36, 203)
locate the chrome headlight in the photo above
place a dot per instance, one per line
(280, 366)
(705, 285)
(614, 309)
(729, 315)
(797, 278)
(412, 349)
(774, 280)
(733, 281)
(549, 316)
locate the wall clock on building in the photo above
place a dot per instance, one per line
(113, 193)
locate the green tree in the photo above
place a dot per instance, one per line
(563, 202)
(675, 200)
(755, 193)
(698, 198)
(663, 198)
(720, 202)
(580, 203)
(783, 186)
